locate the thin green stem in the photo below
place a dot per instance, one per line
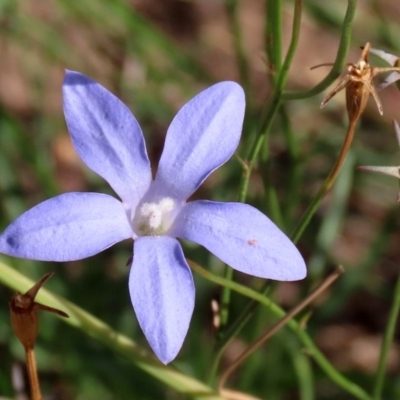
(284, 71)
(274, 208)
(304, 374)
(277, 326)
(273, 34)
(229, 334)
(225, 301)
(332, 373)
(340, 61)
(103, 333)
(329, 181)
(332, 223)
(232, 10)
(290, 139)
(387, 341)
(231, 7)
(260, 140)
(293, 170)
(274, 105)
(262, 136)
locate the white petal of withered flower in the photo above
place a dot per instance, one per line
(391, 59)
(386, 170)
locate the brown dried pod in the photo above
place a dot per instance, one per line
(25, 324)
(359, 85)
(24, 318)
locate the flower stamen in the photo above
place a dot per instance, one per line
(155, 218)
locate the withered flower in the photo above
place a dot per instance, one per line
(359, 85)
(24, 321)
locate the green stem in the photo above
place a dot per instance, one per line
(273, 34)
(293, 168)
(260, 140)
(304, 374)
(277, 326)
(121, 344)
(332, 223)
(290, 139)
(230, 333)
(225, 301)
(387, 341)
(231, 7)
(274, 208)
(333, 374)
(274, 105)
(340, 61)
(263, 134)
(329, 181)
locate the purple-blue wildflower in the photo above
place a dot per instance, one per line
(203, 135)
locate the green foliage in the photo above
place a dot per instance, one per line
(155, 55)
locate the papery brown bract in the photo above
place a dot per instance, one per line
(359, 85)
(25, 324)
(23, 310)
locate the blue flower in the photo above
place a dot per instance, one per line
(203, 135)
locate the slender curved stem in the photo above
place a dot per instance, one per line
(331, 372)
(387, 341)
(329, 181)
(273, 34)
(304, 371)
(263, 133)
(225, 301)
(271, 112)
(274, 105)
(114, 340)
(340, 61)
(231, 7)
(230, 333)
(232, 11)
(276, 327)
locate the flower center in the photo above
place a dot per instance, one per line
(155, 218)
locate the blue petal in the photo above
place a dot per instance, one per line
(162, 293)
(242, 237)
(68, 227)
(106, 136)
(203, 135)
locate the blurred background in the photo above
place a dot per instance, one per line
(155, 55)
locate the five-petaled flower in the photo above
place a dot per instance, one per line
(203, 135)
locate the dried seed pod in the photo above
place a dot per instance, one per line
(25, 324)
(24, 319)
(359, 85)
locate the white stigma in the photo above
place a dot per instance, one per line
(155, 218)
